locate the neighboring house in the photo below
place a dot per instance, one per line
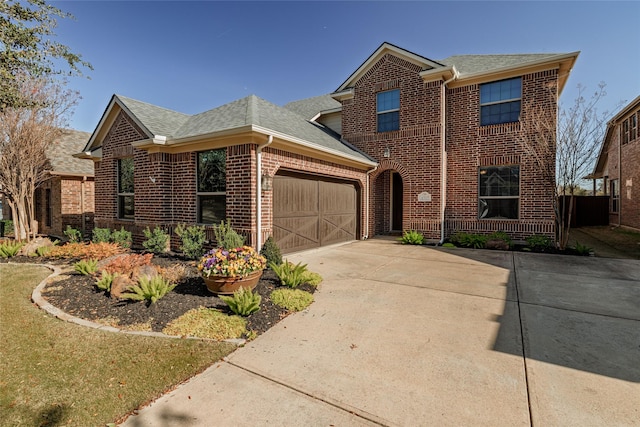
(67, 198)
(618, 166)
(404, 143)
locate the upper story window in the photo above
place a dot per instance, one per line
(500, 101)
(125, 188)
(388, 110)
(212, 186)
(630, 129)
(499, 192)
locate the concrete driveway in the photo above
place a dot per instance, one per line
(405, 336)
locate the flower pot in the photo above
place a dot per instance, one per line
(228, 285)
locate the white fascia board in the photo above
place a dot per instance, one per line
(169, 142)
(159, 140)
(95, 154)
(313, 146)
(343, 94)
(324, 112)
(630, 106)
(554, 61)
(258, 129)
(439, 73)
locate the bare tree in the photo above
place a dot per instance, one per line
(25, 133)
(563, 150)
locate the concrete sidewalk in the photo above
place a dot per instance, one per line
(405, 335)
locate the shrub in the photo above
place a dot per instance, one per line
(412, 237)
(43, 251)
(193, 238)
(122, 238)
(448, 245)
(226, 237)
(501, 235)
(271, 251)
(8, 226)
(243, 302)
(127, 263)
(80, 250)
(311, 278)
(581, 249)
(207, 323)
(105, 281)
(539, 242)
(149, 289)
(86, 267)
(73, 235)
(10, 248)
(291, 299)
(101, 235)
(467, 240)
(175, 273)
(290, 275)
(157, 240)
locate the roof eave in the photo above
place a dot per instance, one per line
(343, 95)
(106, 121)
(626, 110)
(95, 154)
(71, 174)
(562, 62)
(436, 74)
(252, 134)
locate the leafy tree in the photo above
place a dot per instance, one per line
(27, 48)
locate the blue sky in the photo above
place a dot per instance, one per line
(194, 56)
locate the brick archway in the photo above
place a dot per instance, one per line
(390, 184)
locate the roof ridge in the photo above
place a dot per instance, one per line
(125, 98)
(253, 113)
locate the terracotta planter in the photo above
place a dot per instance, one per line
(228, 285)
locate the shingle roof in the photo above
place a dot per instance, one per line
(251, 110)
(157, 120)
(472, 64)
(60, 153)
(311, 107)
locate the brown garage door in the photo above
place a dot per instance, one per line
(309, 212)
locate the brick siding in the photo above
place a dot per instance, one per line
(66, 205)
(414, 152)
(623, 164)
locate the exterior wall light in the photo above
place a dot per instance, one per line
(266, 182)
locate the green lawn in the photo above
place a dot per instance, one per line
(56, 373)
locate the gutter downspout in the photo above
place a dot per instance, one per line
(366, 202)
(619, 177)
(82, 201)
(259, 191)
(443, 153)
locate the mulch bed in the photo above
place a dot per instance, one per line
(77, 295)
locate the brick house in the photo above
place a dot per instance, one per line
(404, 143)
(618, 165)
(67, 197)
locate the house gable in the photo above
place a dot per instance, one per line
(150, 122)
(419, 62)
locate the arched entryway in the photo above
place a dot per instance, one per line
(388, 195)
(396, 207)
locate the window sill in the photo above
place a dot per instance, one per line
(499, 219)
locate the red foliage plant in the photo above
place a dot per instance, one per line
(127, 263)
